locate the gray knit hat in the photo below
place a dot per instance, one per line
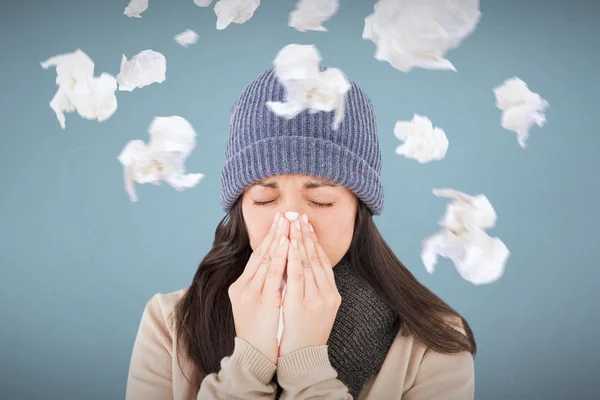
(262, 144)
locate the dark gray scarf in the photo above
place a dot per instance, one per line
(362, 333)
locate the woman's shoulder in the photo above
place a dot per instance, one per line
(407, 339)
(168, 301)
(422, 363)
(161, 307)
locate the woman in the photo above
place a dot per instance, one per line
(357, 324)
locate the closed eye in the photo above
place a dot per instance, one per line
(267, 202)
(262, 203)
(322, 204)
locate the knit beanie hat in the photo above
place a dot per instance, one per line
(262, 144)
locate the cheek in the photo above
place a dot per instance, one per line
(258, 226)
(335, 234)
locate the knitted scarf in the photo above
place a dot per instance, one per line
(362, 333)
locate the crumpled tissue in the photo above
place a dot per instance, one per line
(422, 142)
(186, 38)
(135, 8)
(309, 15)
(478, 258)
(145, 68)
(234, 11)
(172, 139)
(521, 108)
(291, 215)
(306, 87)
(418, 33)
(202, 3)
(78, 90)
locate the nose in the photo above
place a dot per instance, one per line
(294, 205)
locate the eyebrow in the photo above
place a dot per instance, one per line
(307, 185)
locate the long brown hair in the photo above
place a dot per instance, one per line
(204, 319)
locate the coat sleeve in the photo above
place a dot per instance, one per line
(308, 374)
(245, 374)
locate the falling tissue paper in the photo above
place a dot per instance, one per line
(145, 68)
(422, 142)
(234, 11)
(478, 258)
(417, 33)
(202, 3)
(172, 139)
(521, 108)
(78, 90)
(186, 38)
(307, 87)
(309, 15)
(135, 8)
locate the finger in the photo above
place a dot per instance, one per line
(325, 263)
(257, 282)
(295, 275)
(261, 252)
(309, 240)
(283, 230)
(310, 288)
(274, 274)
(296, 235)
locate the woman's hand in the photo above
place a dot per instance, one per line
(256, 297)
(312, 300)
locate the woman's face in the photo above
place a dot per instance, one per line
(331, 209)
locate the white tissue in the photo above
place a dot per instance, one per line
(94, 97)
(172, 139)
(234, 11)
(478, 258)
(418, 33)
(187, 38)
(145, 68)
(202, 3)
(309, 15)
(135, 8)
(292, 215)
(422, 142)
(521, 108)
(306, 87)
(78, 90)
(280, 326)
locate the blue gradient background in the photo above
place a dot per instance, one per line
(78, 261)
